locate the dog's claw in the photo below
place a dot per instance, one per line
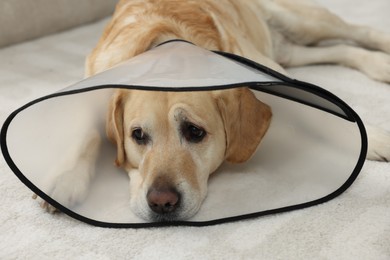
(45, 205)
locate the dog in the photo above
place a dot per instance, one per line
(170, 142)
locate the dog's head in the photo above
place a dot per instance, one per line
(170, 142)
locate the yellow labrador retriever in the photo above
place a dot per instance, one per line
(170, 143)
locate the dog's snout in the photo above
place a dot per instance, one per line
(163, 201)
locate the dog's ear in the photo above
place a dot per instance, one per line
(246, 120)
(114, 125)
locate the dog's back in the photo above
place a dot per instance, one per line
(234, 26)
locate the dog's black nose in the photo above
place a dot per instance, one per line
(163, 201)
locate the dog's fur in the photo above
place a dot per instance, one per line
(170, 143)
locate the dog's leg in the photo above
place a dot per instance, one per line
(367, 37)
(68, 181)
(305, 22)
(298, 24)
(374, 64)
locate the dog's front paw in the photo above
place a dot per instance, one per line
(378, 144)
(69, 187)
(68, 182)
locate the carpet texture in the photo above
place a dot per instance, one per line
(355, 225)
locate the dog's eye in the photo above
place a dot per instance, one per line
(140, 136)
(193, 133)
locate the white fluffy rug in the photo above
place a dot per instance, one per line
(355, 225)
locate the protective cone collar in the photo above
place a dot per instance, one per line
(312, 152)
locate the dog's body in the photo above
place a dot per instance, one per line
(275, 33)
(170, 142)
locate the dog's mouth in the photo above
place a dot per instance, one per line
(165, 217)
(179, 214)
